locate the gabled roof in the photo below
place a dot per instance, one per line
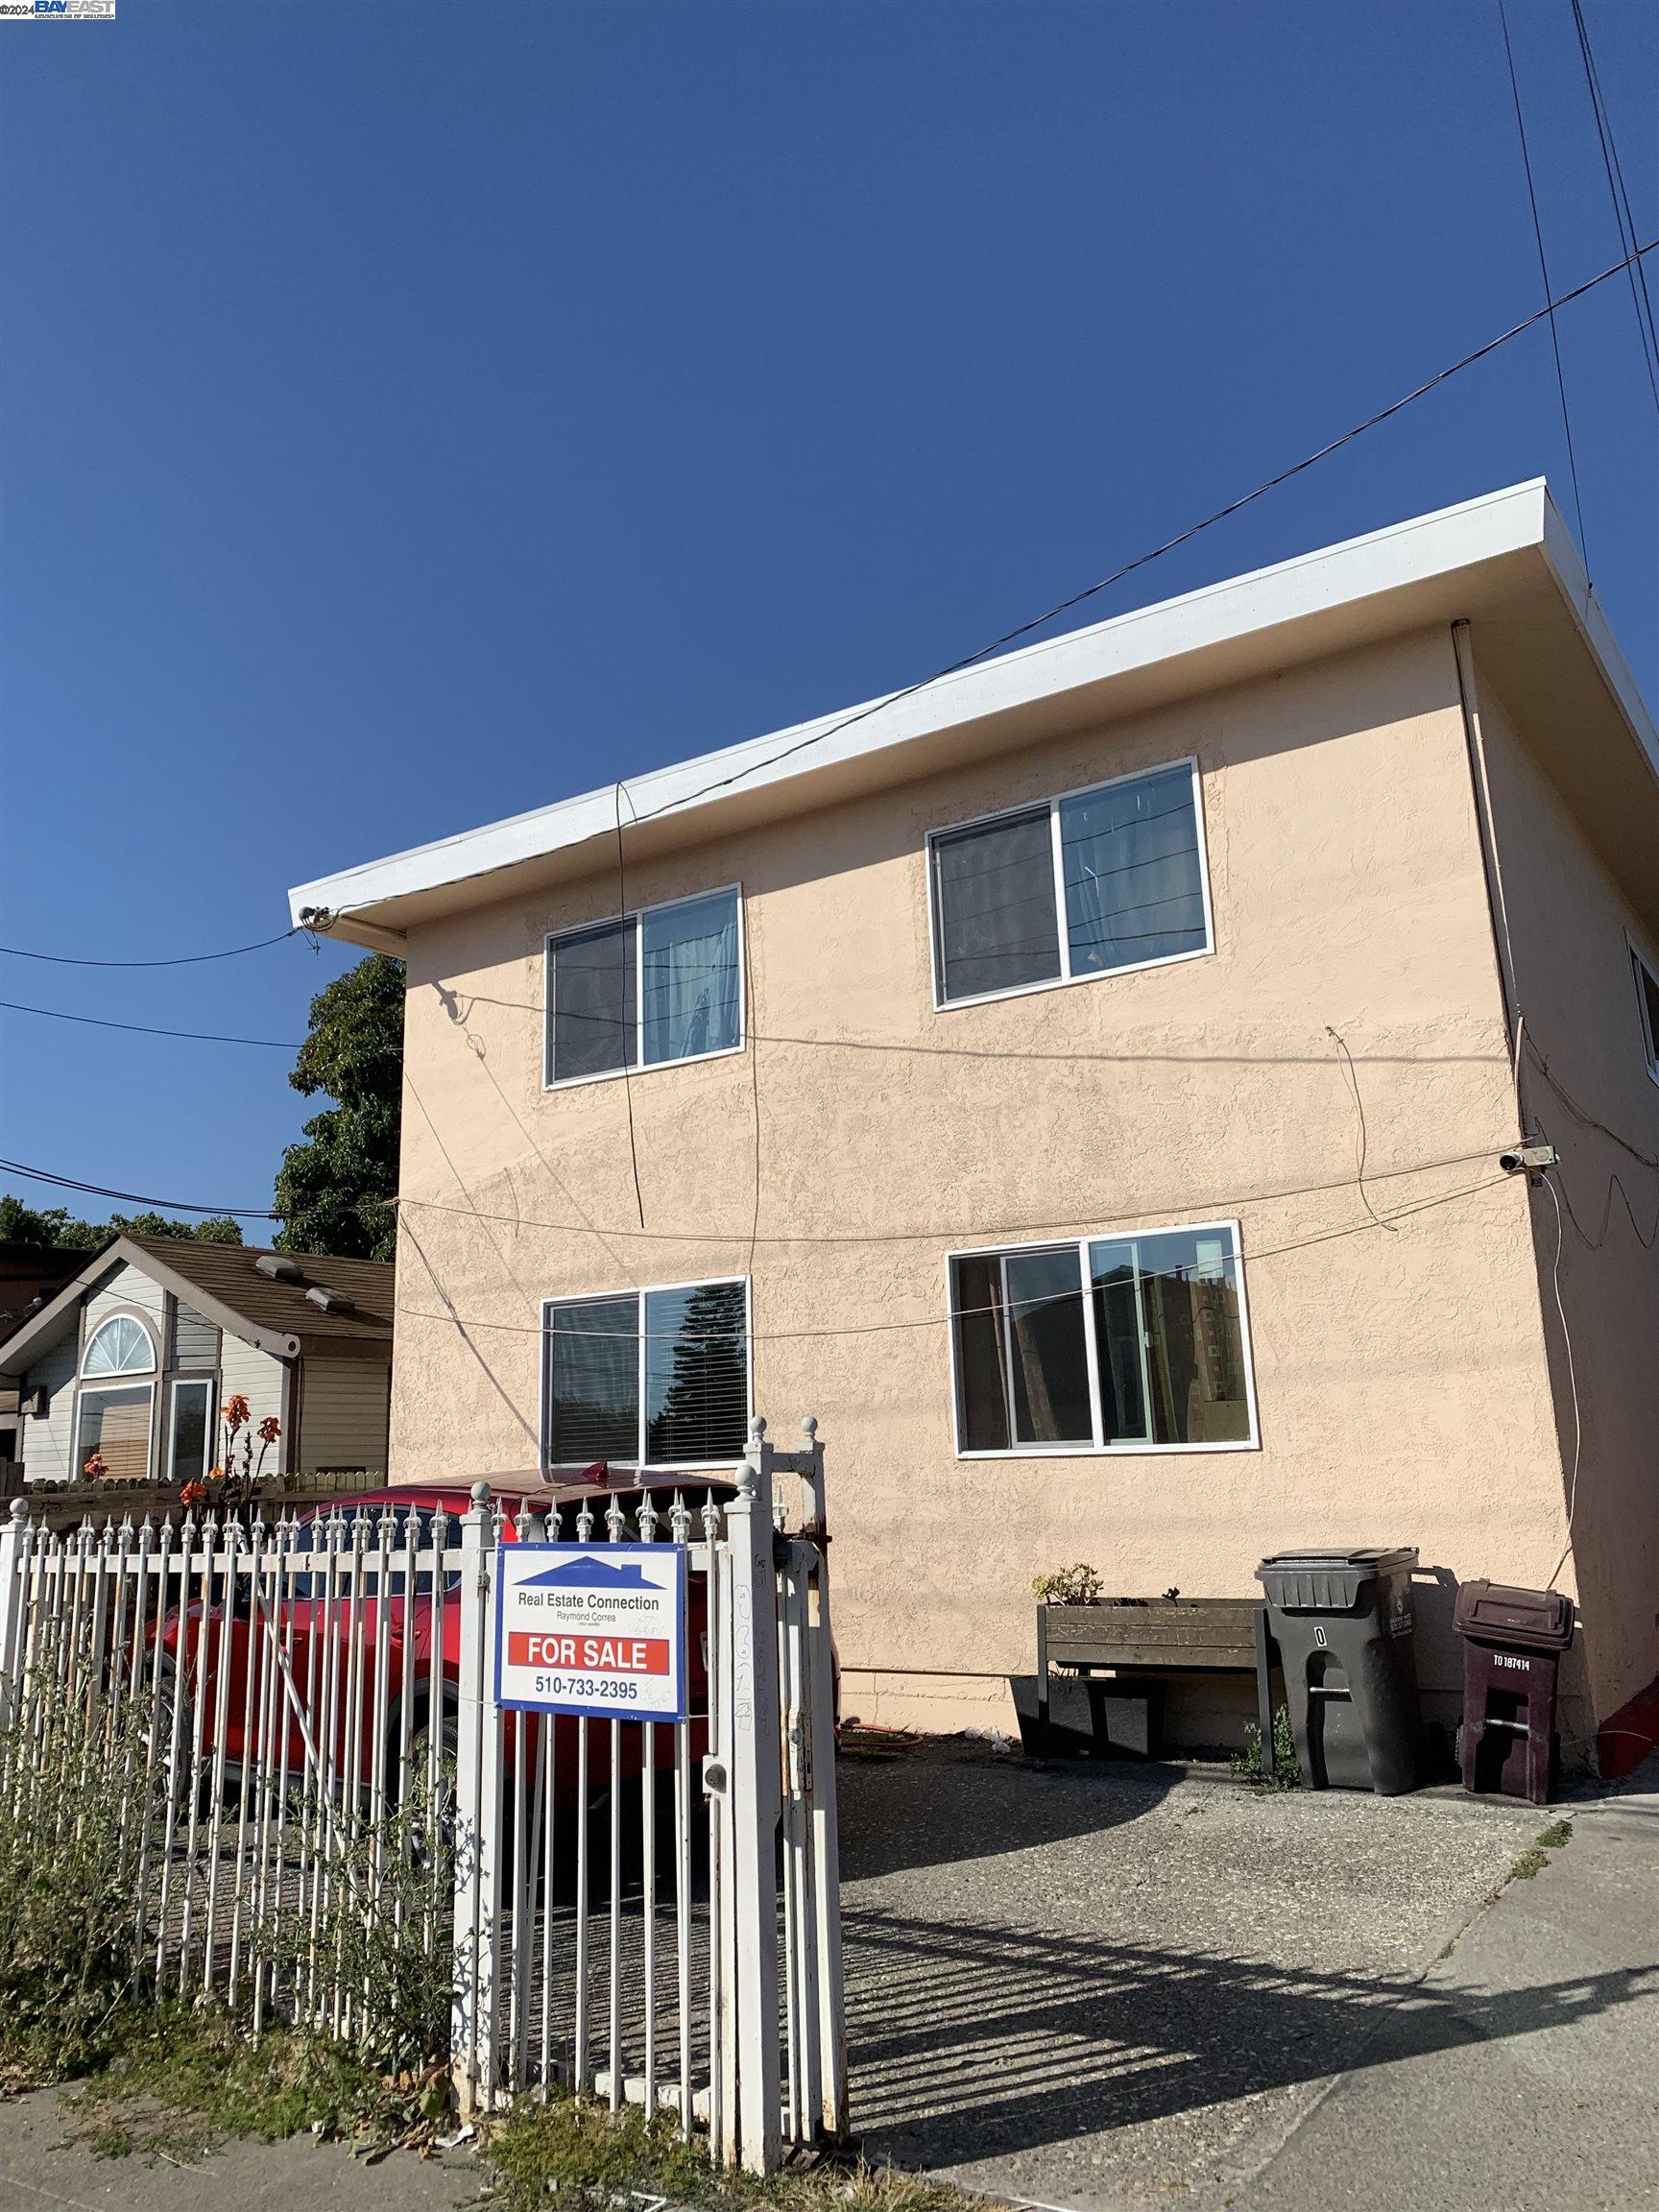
(1504, 563)
(223, 1285)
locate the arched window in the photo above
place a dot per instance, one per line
(118, 1403)
(120, 1347)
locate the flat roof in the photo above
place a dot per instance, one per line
(1505, 562)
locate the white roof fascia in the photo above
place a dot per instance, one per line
(1405, 553)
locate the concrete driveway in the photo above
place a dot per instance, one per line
(1126, 1987)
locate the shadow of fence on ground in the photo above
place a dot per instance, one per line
(971, 2041)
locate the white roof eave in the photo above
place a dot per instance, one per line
(1304, 592)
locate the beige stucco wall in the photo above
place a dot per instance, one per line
(1570, 932)
(1400, 1374)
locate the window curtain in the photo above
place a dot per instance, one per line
(1132, 877)
(690, 962)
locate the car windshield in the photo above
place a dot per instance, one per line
(400, 1523)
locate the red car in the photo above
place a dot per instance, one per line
(327, 1680)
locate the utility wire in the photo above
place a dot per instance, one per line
(1192, 1208)
(1090, 592)
(179, 960)
(1640, 298)
(135, 1198)
(930, 1320)
(145, 1028)
(1543, 272)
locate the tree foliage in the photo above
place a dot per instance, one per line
(51, 1226)
(337, 1191)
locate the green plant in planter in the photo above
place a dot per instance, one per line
(1078, 1585)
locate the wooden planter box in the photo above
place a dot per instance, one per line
(1138, 1643)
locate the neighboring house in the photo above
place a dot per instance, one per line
(28, 1274)
(998, 1066)
(134, 1357)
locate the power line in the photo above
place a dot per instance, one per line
(1091, 591)
(931, 1320)
(147, 1029)
(134, 1198)
(1640, 298)
(179, 960)
(944, 1233)
(1543, 272)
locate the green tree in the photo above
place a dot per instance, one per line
(337, 1191)
(55, 1225)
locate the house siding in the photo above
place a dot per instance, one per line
(1569, 930)
(1400, 1375)
(343, 1414)
(47, 1447)
(128, 1290)
(259, 1377)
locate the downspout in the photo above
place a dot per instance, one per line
(1497, 910)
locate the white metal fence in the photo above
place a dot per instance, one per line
(323, 1813)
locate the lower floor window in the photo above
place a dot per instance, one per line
(1108, 1343)
(113, 1425)
(647, 1378)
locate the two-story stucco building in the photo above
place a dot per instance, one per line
(1082, 1083)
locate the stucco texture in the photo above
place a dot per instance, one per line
(1586, 1089)
(1402, 1381)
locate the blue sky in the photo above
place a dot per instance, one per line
(412, 414)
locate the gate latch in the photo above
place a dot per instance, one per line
(715, 1779)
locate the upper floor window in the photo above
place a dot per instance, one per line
(647, 1378)
(116, 1401)
(1647, 1007)
(1106, 879)
(662, 984)
(1107, 1344)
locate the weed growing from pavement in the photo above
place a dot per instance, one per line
(1536, 1856)
(71, 1811)
(1247, 1765)
(183, 2076)
(589, 2158)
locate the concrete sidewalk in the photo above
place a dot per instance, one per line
(1524, 2077)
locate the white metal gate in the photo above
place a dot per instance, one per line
(298, 1727)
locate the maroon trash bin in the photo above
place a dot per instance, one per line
(1512, 1645)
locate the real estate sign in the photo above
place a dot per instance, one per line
(594, 1628)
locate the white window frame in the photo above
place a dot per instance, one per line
(642, 1066)
(1098, 1449)
(639, 1293)
(128, 1379)
(209, 1428)
(1639, 961)
(1066, 976)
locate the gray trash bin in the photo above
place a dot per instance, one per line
(1343, 1623)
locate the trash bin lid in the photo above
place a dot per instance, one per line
(1329, 1581)
(1528, 1620)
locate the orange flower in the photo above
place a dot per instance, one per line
(193, 1493)
(235, 1412)
(270, 1429)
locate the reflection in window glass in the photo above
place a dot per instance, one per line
(1153, 1356)
(1190, 1376)
(1133, 887)
(592, 1381)
(192, 1403)
(996, 918)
